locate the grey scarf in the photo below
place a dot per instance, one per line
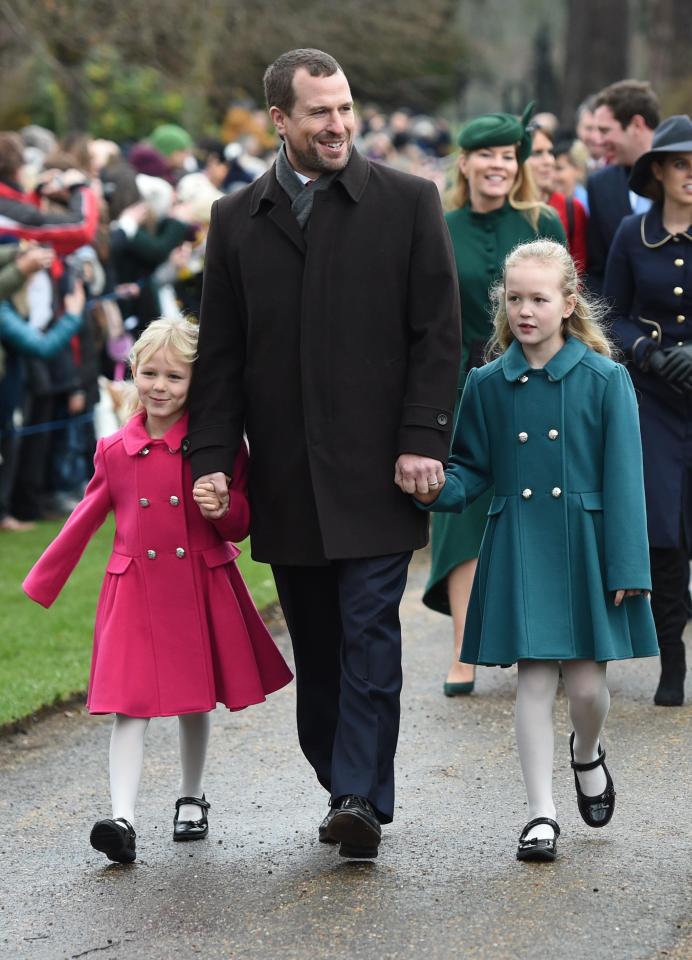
(301, 196)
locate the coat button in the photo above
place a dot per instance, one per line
(553, 434)
(143, 502)
(681, 343)
(556, 492)
(442, 419)
(179, 552)
(523, 379)
(522, 437)
(678, 291)
(654, 334)
(185, 445)
(527, 494)
(151, 554)
(174, 501)
(680, 318)
(144, 451)
(679, 262)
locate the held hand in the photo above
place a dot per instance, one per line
(203, 488)
(420, 476)
(621, 594)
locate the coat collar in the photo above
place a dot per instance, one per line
(353, 178)
(654, 234)
(136, 438)
(515, 364)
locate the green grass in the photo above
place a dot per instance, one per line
(45, 654)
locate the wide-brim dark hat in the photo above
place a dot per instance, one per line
(674, 135)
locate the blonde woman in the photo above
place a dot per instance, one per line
(563, 574)
(495, 207)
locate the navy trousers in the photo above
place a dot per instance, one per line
(343, 619)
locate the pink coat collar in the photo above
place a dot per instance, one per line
(136, 438)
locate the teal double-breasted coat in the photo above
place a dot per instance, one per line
(481, 241)
(567, 522)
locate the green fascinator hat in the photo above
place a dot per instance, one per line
(499, 130)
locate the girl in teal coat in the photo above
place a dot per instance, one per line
(563, 573)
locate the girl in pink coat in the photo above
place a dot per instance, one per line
(176, 631)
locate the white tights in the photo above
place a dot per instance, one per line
(589, 701)
(127, 756)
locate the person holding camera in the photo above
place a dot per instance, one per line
(649, 282)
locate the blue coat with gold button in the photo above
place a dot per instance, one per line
(649, 285)
(567, 524)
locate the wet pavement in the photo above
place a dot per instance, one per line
(446, 883)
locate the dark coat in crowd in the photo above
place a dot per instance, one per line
(609, 202)
(649, 283)
(347, 359)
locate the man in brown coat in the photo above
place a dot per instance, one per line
(330, 333)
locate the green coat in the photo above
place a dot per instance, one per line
(567, 523)
(481, 241)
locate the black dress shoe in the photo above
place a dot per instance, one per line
(596, 811)
(191, 829)
(671, 687)
(355, 826)
(538, 851)
(323, 829)
(115, 838)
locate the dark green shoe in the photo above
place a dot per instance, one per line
(458, 689)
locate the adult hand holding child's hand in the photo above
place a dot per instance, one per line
(211, 495)
(421, 476)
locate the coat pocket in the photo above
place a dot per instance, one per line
(592, 501)
(496, 506)
(220, 554)
(118, 563)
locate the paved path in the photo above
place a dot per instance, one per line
(446, 883)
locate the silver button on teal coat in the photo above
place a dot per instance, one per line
(567, 524)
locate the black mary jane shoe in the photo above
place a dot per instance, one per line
(323, 829)
(536, 850)
(115, 838)
(596, 811)
(191, 829)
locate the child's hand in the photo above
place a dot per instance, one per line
(211, 496)
(621, 594)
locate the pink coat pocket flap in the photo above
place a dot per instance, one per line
(118, 563)
(223, 553)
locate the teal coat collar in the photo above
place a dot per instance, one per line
(515, 364)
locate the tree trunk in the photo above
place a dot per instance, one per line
(596, 49)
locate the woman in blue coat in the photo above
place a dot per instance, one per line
(564, 564)
(649, 283)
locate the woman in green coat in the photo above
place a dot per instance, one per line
(495, 209)
(563, 573)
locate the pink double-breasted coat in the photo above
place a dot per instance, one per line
(176, 630)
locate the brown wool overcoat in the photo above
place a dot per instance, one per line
(335, 350)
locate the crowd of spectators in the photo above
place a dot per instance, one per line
(98, 239)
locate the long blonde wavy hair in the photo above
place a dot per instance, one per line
(523, 195)
(174, 335)
(586, 320)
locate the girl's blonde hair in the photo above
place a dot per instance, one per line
(586, 320)
(523, 195)
(174, 335)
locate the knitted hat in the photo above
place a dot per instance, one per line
(145, 159)
(169, 137)
(499, 130)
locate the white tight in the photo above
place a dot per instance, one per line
(127, 756)
(589, 701)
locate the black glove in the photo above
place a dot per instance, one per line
(656, 364)
(677, 367)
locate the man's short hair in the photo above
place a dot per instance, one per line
(11, 155)
(278, 77)
(627, 98)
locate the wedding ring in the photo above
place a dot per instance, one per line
(433, 483)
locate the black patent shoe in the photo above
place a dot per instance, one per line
(596, 811)
(536, 850)
(323, 829)
(115, 838)
(355, 826)
(191, 829)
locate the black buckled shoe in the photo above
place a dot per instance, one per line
(537, 850)
(323, 829)
(191, 829)
(115, 838)
(596, 811)
(355, 826)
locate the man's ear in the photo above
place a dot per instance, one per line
(278, 119)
